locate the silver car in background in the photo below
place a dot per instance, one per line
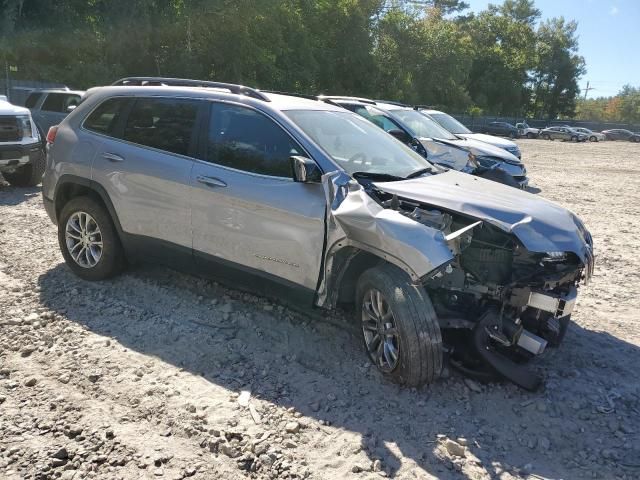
(438, 145)
(50, 106)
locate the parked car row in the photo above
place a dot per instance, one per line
(575, 134)
(311, 197)
(422, 133)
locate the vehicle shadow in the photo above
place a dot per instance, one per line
(319, 368)
(533, 190)
(10, 195)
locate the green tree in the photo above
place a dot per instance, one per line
(555, 76)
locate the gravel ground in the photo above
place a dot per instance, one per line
(157, 374)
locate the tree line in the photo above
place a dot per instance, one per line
(622, 108)
(502, 61)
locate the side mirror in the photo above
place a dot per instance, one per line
(400, 135)
(71, 108)
(305, 170)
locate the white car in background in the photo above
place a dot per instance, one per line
(593, 136)
(526, 131)
(457, 128)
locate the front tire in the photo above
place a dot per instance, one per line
(399, 325)
(88, 240)
(593, 138)
(28, 175)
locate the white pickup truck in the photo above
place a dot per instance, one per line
(22, 158)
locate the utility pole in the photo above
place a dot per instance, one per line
(6, 78)
(586, 90)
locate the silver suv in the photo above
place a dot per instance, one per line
(307, 200)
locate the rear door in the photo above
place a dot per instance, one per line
(246, 208)
(145, 165)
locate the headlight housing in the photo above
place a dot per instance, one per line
(486, 162)
(26, 126)
(555, 257)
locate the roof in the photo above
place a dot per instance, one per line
(392, 106)
(429, 111)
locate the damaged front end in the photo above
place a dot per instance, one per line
(502, 280)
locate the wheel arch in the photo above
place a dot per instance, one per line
(71, 186)
(346, 264)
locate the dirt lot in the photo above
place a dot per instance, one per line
(145, 376)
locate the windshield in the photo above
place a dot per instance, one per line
(422, 126)
(356, 144)
(450, 123)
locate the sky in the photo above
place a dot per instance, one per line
(609, 39)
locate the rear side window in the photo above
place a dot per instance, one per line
(244, 139)
(104, 118)
(163, 123)
(32, 99)
(60, 102)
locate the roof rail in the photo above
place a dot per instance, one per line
(391, 102)
(424, 107)
(184, 82)
(332, 98)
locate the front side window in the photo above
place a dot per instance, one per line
(247, 140)
(60, 102)
(32, 99)
(356, 144)
(164, 123)
(104, 118)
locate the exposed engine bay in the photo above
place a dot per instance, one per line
(498, 304)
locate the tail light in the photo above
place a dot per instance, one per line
(51, 135)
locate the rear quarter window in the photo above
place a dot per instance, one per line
(104, 118)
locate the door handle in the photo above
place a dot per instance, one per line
(211, 181)
(112, 157)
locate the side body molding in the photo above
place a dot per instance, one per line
(355, 222)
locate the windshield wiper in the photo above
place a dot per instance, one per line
(377, 175)
(420, 172)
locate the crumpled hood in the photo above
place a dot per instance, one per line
(483, 149)
(490, 139)
(7, 108)
(541, 225)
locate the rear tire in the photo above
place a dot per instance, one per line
(409, 327)
(108, 257)
(593, 138)
(530, 135)
(28, 175)
(574, 139)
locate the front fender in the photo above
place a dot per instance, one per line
(356, 222)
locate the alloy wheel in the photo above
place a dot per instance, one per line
(380, 332)
(84, 239)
